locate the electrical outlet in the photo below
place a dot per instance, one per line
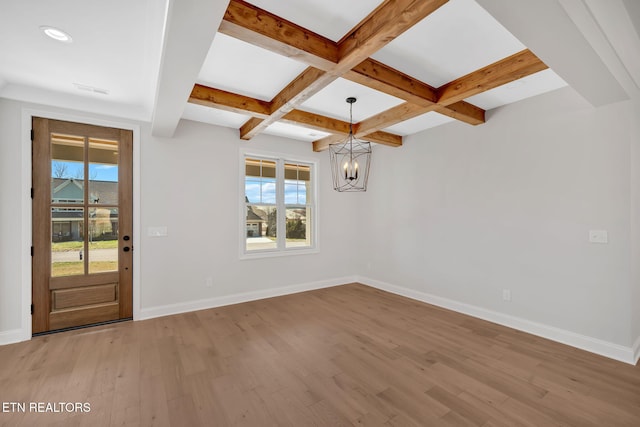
(160, 231)
(598, 236)
(506, 294)
(209, 282)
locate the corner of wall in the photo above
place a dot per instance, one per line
(636, 351)
(13, 336)
(593, 345)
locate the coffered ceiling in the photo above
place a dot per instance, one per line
(285, 67)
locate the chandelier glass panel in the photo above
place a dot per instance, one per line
(350, 160)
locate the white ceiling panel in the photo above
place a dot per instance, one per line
(455, 40)
(213, 116)
(331, 101)
(242, 68)
(329, 18)
(535, 84)
(420, 123)
(114, 55)
(300, 133)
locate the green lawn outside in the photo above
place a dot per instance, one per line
(273, 239)
(76, 246)
(74, 268)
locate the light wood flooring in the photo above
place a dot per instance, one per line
(348, 355)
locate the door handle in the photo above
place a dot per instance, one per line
(127, 248)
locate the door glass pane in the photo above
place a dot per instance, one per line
(103, 240)
(67, 241)
(67, 169)
(103, 171)
(261, 227)
(298, 227)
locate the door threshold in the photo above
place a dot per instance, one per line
(73, 328)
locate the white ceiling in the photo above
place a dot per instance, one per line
(458, 38)
(111, 51)
(135, 49)
(329, 18)
(260, 74)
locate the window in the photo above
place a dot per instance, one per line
(278, 206)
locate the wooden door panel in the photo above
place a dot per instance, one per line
(80, 281)
(77, 297)
(41, 261)
(125, 175)
(90, 280)
(83, 316)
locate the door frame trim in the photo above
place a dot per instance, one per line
(27, 214)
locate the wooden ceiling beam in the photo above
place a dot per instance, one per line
(391, 117)
(339, 129)
(388, 21)
(210, 97)
(450, 102)
(317, 122)
(258, 27)
(511, 68)
(349, 58)
(324, 143)
(369, 129)
(385, 23)
(307, 84)
(384, 138)
(462, 111)
(383, 78)
(253, 25)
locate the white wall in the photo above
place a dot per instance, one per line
(464, 212)
(459, 212)
(10, 217)
(189, 183)
(635, 227)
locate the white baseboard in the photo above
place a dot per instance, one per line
(12, 336)
(184, 307)
(636, 351)
(583, 342)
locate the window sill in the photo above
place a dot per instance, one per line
(277, 253)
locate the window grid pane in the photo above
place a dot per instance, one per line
(261, 227)
(298, 227)
(271, 184)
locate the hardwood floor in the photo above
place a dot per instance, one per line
(348, 355)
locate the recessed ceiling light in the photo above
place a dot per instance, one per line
(56, 34)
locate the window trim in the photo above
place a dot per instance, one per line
(282, 250)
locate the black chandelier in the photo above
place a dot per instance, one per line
(350, 160)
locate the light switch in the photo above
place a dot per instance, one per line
(598, 236)
(157, 231)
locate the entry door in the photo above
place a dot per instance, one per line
(82, 224)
